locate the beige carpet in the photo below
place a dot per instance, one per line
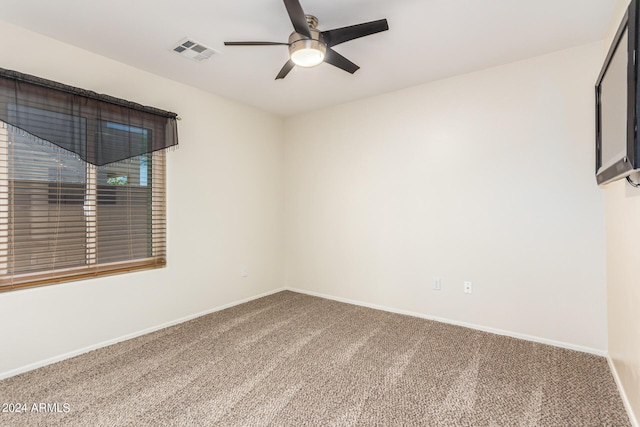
(294, 360)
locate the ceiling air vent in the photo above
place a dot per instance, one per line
(193, 50)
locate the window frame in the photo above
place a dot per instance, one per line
(92, 267)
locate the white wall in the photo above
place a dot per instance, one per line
(623, 282)
(486, 177)
(224, 211)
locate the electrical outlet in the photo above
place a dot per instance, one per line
(437, 284)
(244, 272)
(467, 287)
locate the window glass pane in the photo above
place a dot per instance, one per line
(46, 195)
(124, 214)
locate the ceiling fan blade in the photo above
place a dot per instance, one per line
(344, 34)
(334, 58)
(285, 70)
(254, 43)
(298, 19)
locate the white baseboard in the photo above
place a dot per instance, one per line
(77, 352)
(623, 394)
(532, 338)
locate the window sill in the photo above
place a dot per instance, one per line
(81, 273)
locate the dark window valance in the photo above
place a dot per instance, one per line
(100, 129)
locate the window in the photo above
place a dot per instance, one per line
(62, 218)
(82, 182)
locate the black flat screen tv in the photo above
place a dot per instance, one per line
(617, 106)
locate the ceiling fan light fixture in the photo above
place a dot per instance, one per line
(306, 52)
(310, 56)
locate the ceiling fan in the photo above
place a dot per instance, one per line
(309, 46)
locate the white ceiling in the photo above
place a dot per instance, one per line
(427, 40)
